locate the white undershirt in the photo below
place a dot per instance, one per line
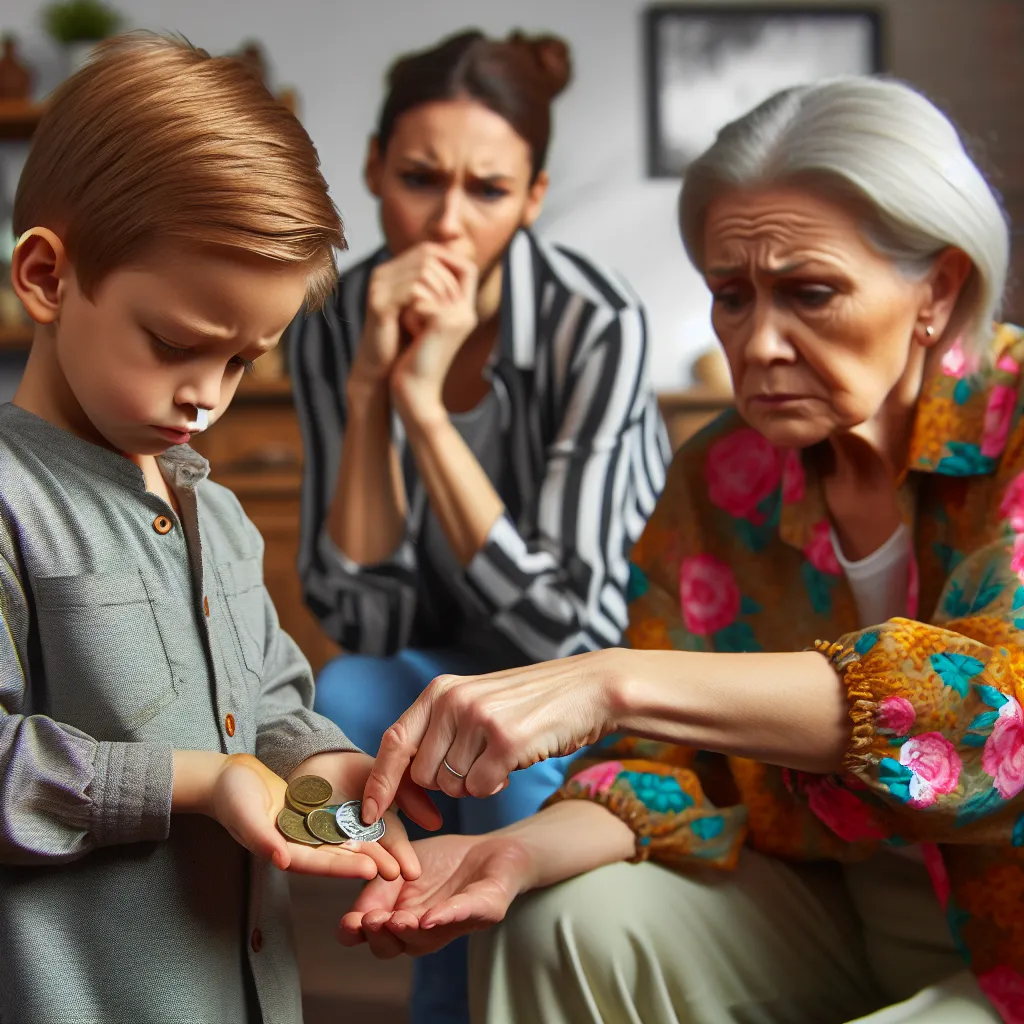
(879, 582)
(879, 585)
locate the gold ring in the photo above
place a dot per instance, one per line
(458, 775)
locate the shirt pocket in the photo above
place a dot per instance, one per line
(104, 658)
(241, 584)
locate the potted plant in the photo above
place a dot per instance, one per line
(78, 25)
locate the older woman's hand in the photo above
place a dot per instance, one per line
(465, 734)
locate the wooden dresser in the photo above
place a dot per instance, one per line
(256, 450)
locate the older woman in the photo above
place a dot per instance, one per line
(829, 594)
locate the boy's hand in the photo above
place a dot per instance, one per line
(246, 797)
(347, 772)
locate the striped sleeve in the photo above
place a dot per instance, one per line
(365, 609)
(562, 590)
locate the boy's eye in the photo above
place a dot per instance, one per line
(167, 350)
(246, 365)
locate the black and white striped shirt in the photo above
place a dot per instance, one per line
(585, 451)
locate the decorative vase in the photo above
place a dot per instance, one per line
(15, 78)
(77, 54)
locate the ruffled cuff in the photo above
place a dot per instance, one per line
(673, 821)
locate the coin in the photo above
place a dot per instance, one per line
(350, 821)
(309, 791)
(322, 824)
(293, 827)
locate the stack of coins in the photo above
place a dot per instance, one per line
(310, 820)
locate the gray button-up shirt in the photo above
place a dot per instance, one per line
(127, 632)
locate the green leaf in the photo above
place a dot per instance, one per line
(955, 606)
(865, 642)
(1018, 598)
(737, 638)
(990, 695)
(984, 721)
(638, 584)
(748, 606)
(1017, 839)
(956, 670)
(819, 588)
(978, 806)
(751, 535)
(896, 777)
(962, 392)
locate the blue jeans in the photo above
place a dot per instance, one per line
(365, 695)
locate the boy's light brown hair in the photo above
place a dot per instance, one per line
(154, 140)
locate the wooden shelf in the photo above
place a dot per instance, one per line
(18, 119)
(15, 339)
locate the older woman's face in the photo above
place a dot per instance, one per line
(817, 326)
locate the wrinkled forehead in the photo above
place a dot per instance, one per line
(773, 228)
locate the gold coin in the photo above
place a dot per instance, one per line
(298, 807)
(293, 827)
(323, 825)
(309, 791)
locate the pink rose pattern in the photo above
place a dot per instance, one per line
(742, 469)
(599, 778)
(998, 417)
(896, 714)
(794, 481)
(1012, 505)
(708, 594)
(936, 766)
(1004, 988)
(936, 868)
(820, 551)
(954, 362)
(840, 810)
(1003, 755)
(913, 587)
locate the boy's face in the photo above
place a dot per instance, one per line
(164, 340)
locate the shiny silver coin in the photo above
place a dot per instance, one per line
(349, 817)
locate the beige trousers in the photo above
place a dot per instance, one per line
(767, 944)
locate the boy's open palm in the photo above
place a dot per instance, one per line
(247, 798)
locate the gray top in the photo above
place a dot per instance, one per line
(455, 608)
(110, 910)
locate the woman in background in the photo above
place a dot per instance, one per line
(482, 444)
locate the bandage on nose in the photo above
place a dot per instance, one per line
(201, 422)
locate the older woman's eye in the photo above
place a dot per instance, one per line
(813, 296)
(730, 299)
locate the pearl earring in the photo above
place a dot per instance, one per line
(929, 331)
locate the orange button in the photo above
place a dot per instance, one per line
(162, 525)
(257, 940)
(229, 724)
(206, 605)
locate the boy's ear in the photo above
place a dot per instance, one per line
(38, 268)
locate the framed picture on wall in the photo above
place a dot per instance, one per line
(708, 64)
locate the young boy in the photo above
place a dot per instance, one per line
(172, 218)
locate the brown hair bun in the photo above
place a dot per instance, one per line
(552, 57)
(516, 77)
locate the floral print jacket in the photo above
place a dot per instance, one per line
(738, 557)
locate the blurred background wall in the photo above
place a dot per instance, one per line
(966, 54)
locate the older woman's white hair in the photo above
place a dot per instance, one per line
(880, 143)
